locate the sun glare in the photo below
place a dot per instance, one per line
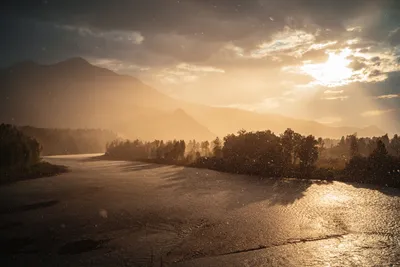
(333, 72)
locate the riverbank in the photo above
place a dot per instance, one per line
(38, 170)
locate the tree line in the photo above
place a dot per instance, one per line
(69, 141)
(290, 154)
(351, 145)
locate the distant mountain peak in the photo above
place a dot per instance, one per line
(74, 61)
(80, 67)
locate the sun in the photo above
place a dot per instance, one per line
(334, 72)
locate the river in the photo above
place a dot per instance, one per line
(116, 213)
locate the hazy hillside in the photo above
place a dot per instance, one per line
(76, 94)
(149, 124)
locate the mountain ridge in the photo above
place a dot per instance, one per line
(75, 93)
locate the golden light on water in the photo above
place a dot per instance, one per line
(334, 197)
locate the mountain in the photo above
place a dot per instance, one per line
(75, 94)
(150, 124)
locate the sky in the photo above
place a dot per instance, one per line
(336, 62)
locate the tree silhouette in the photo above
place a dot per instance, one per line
(217, 148)
(380, 150)
(288, 144)
(308, 154)
(266, 154)
(16, 148)
(395, 145)
(354, 150)
(205, 148)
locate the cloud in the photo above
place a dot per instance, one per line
(192, 30)
(357, 65)
(329, 120)
(118, 65)
(194, 68)
(186, 73)
(354, 29)
(372, 113)
(394, 36)
(389, 96)
(133, 37)
(238, 51)
(284, 41)
(249, 53)
(346, 66)
(334, 72)
(333, 92)
(343, 97)
(270, 104)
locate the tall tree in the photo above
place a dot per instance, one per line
(394, 147)
(354, 150)
(380, 150)
(205, 148)
(321, 145)
(288, 143)
(308, 154)
(298, 139)
(217, 148)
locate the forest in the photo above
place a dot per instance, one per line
(373, 160)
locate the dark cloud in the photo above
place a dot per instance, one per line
(375, 73)
(173, 14)
(375, 59)
(389, 86)
(190, 30)
(357, 65)
(394, 37)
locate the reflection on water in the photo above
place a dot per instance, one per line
(193, 217)
(334, 197)
(367, 220)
